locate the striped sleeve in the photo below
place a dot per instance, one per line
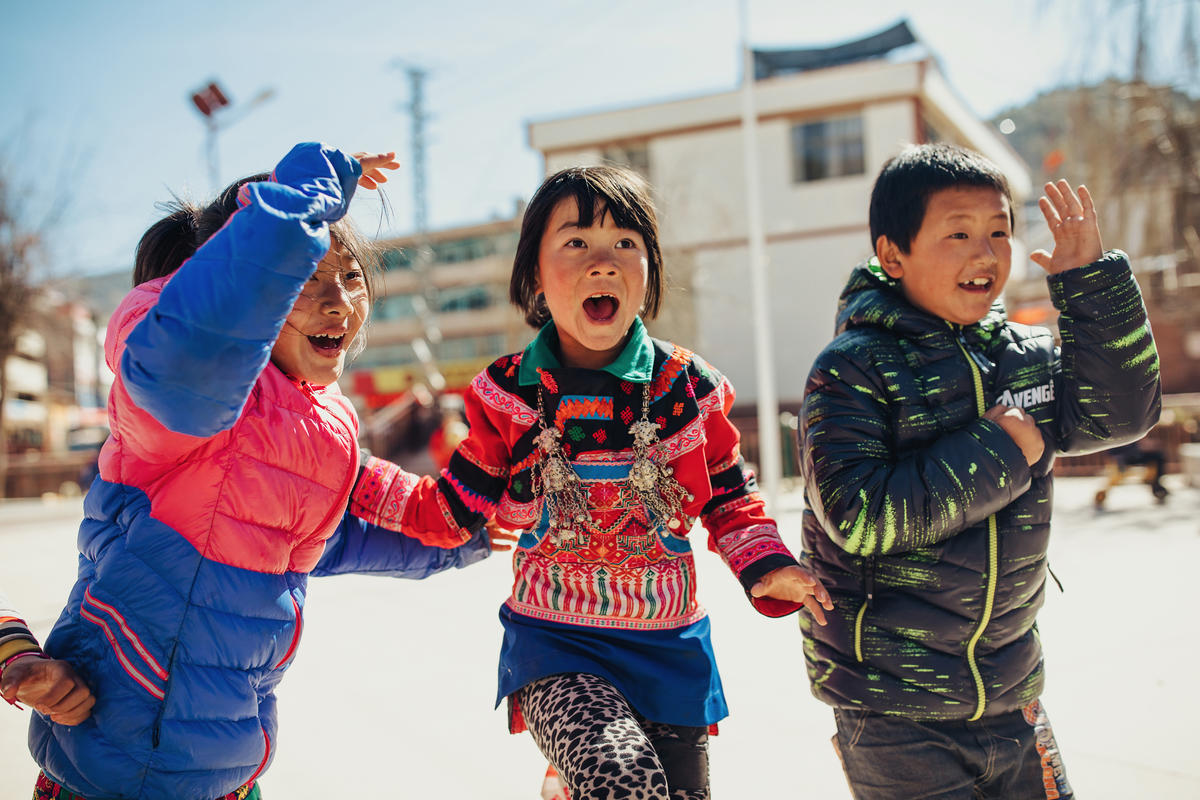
(15, 636)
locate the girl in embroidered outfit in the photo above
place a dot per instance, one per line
(605, 445)
(224, 484)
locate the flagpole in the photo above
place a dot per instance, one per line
(769, 453)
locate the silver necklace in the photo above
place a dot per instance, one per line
(652, 478)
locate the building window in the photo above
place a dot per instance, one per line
(464, 298)
(396, 306)
(392, 355)
(634, 156)
(929, 132)
(828, 148)
(471, 347)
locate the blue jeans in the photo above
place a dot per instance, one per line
(1009, 756)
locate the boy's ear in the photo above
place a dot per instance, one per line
(889, 257)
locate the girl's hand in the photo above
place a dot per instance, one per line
(372, 163)
(1072, 219)
(795, 584)
(501, 538)
(49, 686)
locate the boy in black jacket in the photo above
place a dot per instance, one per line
(929, 430)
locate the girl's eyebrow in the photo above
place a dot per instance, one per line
(568, 224)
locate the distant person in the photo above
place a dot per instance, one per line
(451, 430)
(224, 484)
(928, 433)
(1138, 454)
(604, 446)
(27, 675)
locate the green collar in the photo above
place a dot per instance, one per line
(635, 364)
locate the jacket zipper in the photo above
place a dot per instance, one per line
(993, 554)
(295, 634)
(868, 573)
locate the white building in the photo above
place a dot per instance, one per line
(828, 119)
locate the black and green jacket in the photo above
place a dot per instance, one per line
(924, 520)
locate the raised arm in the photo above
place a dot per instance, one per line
(1108, 390)
(872, 501)
(193, 359)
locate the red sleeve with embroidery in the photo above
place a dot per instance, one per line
(739, 529)
(391, 498)
(445, 511)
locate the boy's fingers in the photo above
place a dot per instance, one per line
(1053, 195)
(1085, 198)
(1041, 258)
(1074, 207)
(1049, 212)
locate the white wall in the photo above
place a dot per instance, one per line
(805, 277)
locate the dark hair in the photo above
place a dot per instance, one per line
(598, 190)
(908, 180)
(175, 238)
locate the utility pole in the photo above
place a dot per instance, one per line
(219, 113)
(431, 335)
(769, 466)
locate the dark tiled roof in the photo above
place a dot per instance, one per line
(769, 63)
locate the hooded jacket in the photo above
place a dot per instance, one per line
(220, 484)
(924, 520)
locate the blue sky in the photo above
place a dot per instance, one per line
(96, 110)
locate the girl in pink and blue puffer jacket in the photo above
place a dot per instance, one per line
(223, 486)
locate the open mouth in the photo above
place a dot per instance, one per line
(327, 345)
(981, 284)
(601, 307)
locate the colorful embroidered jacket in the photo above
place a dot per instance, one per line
(220, 486)
(925, 522)
(625, 570)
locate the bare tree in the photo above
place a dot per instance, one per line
(1134, 138)
(20, 245)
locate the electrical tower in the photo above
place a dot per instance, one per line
(425, 300)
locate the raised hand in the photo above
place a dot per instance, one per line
(372, 164)
(1071, 216)
(797, 585)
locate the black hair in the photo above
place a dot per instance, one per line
(598, 190)
(175, 238)
(907, 181)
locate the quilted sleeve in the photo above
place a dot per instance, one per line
(1108, 388)
(872, 500)
(192, 360)
(359, 547)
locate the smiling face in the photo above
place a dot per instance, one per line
(328, 315)
(594, 281)
(960, 258)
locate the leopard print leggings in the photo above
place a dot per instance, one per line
(605, 750)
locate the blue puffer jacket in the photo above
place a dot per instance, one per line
(224, 484)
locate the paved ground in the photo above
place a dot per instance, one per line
(392, 693)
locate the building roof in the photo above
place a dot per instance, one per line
(769, 63)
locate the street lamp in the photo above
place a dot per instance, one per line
(219, 113)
